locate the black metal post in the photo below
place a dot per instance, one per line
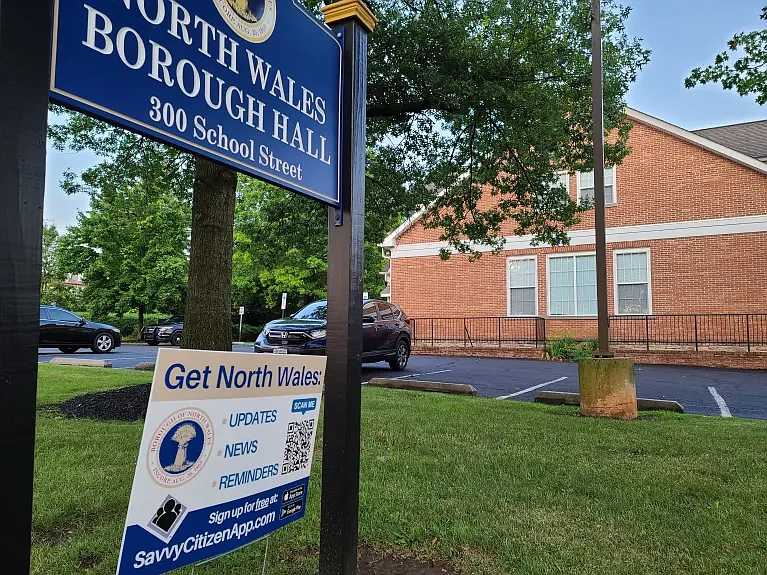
(748, 335)
(341, 437)
(695, 319)
(24, 76)
(647, 330)
(599, 177)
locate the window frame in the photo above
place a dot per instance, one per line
(573, 255)
(615, 279)
(510, 259)
(382, 307)
(51, 311)
(567, 179)
(615, 187)
(375, 307)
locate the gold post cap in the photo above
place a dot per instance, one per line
(345, 9)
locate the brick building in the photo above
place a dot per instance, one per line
(686, 234)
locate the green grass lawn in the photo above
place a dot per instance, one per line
(495, 487)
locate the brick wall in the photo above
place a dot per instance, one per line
(663, 179)
(713, 274)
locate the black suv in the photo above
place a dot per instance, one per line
(167, 331)
(69, 332)
(385, 333)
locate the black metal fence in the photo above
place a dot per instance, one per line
(698, 330)
(672, 330)
(478, 331)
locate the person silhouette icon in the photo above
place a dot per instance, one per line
(167, 515)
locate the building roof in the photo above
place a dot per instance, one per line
(707, 143)
(749, 138)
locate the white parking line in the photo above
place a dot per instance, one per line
(531, 388)
(720, 402)
(442, 371)
(404, 376)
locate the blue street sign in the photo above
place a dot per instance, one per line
(254, 84)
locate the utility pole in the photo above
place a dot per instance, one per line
(597, 112)
(606, 383)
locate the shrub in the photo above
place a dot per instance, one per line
(568, 348)
(249, 332)
(127, 323)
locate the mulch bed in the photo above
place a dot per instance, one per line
(124, 404)
(373, 563)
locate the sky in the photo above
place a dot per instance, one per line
(682, 34)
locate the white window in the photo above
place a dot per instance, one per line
(586, 186)
(632, 282)
(523, 286)
(563, 179)
(573, 284)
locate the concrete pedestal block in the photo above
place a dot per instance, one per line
(607, 388)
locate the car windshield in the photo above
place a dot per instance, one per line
(316, 310)
(173, 319)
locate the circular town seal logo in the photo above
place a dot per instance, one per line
(180, 447)
(252, 19)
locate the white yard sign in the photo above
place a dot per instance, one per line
(225, 455)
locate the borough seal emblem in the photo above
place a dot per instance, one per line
(180, 447)
(251, 19)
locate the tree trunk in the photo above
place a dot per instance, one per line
(208, 317)
(140, 318)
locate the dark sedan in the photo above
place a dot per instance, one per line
(167, 331)
(385, 333)
(69, 332)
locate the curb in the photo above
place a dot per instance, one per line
(145, 366)
(412, 385)
(563, 398)
(80, 362)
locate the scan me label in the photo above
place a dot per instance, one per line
(219, 466)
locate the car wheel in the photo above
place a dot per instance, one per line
(399, 362)
(68, 350)
(152, 343)
(175, 339)
(104, 343)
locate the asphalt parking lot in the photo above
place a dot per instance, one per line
(126, 356)
(743, 392)
(705, 391)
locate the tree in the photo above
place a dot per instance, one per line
(53, 290)
(492, 96)
(281, 242)
(132, 245)
(131, 249)
(208, 319)
(747, 74)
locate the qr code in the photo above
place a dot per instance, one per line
(298, 445)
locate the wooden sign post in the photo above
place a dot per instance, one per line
(346, 237)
